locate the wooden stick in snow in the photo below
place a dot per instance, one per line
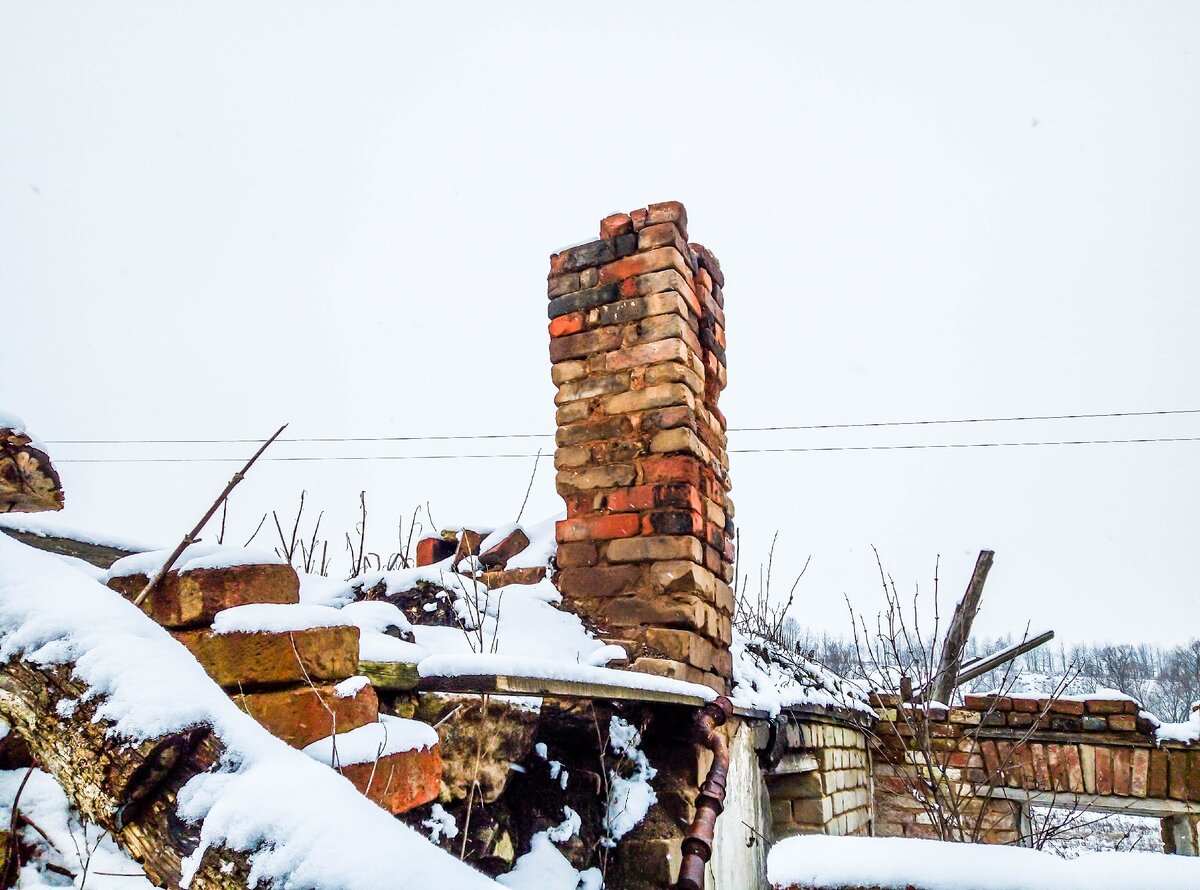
(944, 681)
(190, 537)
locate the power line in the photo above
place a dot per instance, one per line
(744, 429)
(796, 450)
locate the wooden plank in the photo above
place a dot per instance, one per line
(390, 675)
(945, 680)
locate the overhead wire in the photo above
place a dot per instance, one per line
(744, 429)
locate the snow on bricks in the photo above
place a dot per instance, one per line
(281, 662)
(638, 355)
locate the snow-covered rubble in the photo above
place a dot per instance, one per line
(306, 825)
(195, 556)
(769, 678)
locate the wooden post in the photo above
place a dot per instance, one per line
(944, 682)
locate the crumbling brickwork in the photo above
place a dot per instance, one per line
(637, 330)
(822, 784)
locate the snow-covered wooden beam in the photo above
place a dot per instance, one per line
(151, 750)
(28, 482)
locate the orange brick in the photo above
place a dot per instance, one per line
(597, 528)
(249, 659)
(399, 782)
(194, 598)
(303, 714)
(571, 323)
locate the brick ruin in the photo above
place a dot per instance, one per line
(637, 342)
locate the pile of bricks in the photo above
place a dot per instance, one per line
(638, 351)
(490, 566)
(296, 684)
(822, 784)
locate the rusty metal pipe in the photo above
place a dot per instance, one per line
(697, 846)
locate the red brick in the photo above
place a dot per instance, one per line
(597, 528)
(1041, 767)
(434, 550)
(1140, 772)
(673, 522)
(668, 211)
(194, 598)
(1025, 705)
(616, 224)
(249, 659)
(1074, 768)
(572, 323)
(1122, 723)
(670, 468)
(1104, 771)
(1157, 785)
(302, 715)
(499, 554)
(399, 782)
(577, 554)
(1121, 772)
(651, 261)
(1066, 706)
(1108, 706)
(1177, 774)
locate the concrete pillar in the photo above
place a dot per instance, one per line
(1179, 835)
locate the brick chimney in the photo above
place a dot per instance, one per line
(638, 349)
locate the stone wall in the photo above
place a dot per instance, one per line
(638, 352)
(822, 783)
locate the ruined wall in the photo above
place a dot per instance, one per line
(638, 352)
(822, 784)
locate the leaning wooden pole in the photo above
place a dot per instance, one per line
(191, 537)
(944, 681)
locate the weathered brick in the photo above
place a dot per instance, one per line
(648, 497)
(610, 476)
(662, 259)
(302, 715)
(262, 658)
(671, 468)
(1104, 771)
(660, 327)
(597, 528)
(577, 554)
(579, 345)
(1122, 723)
(651, 397)
(636, 308)
(668, 211)
(674, 371)
(572, 457)
(616, 224)
(564, 372)
(654, 548)
(1157, 784)
(1110, 706)
(399, 782)
(592, 387)
(604, 428)
(501, 552)
(597, 581)
(1139, 772)
(679, 440)
(195, 597)
(579, 302)
(557, 285)
(672, 522)
(434, 549)
(654, 353)
(564, 325)
(665, 419)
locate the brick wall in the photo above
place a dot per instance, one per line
(638, 352)
(822, 784)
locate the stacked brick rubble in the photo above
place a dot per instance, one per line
(638, 351)
(1095, 748)
(822, 784)
(287, 681)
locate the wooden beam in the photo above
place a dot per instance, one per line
(944, 682)
(977, 667)
(1135, 806)
(102, 556)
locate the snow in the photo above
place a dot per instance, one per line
(70, 842)
(1187, 732)
(366, 744)
(276, 618)
(542, 544)
(195, 556)
(767, 678)
(351, 687)
(53, 525)
(376, 616)
(11, 422)
(374, 646)
(629, 797)
(306, 825)
(897, 863)
(440, 824)
(549, 669)
(545, 868)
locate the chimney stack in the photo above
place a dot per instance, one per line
(637, 332)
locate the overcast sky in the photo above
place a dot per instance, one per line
(218, 217)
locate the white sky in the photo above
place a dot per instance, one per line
(218, 217)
